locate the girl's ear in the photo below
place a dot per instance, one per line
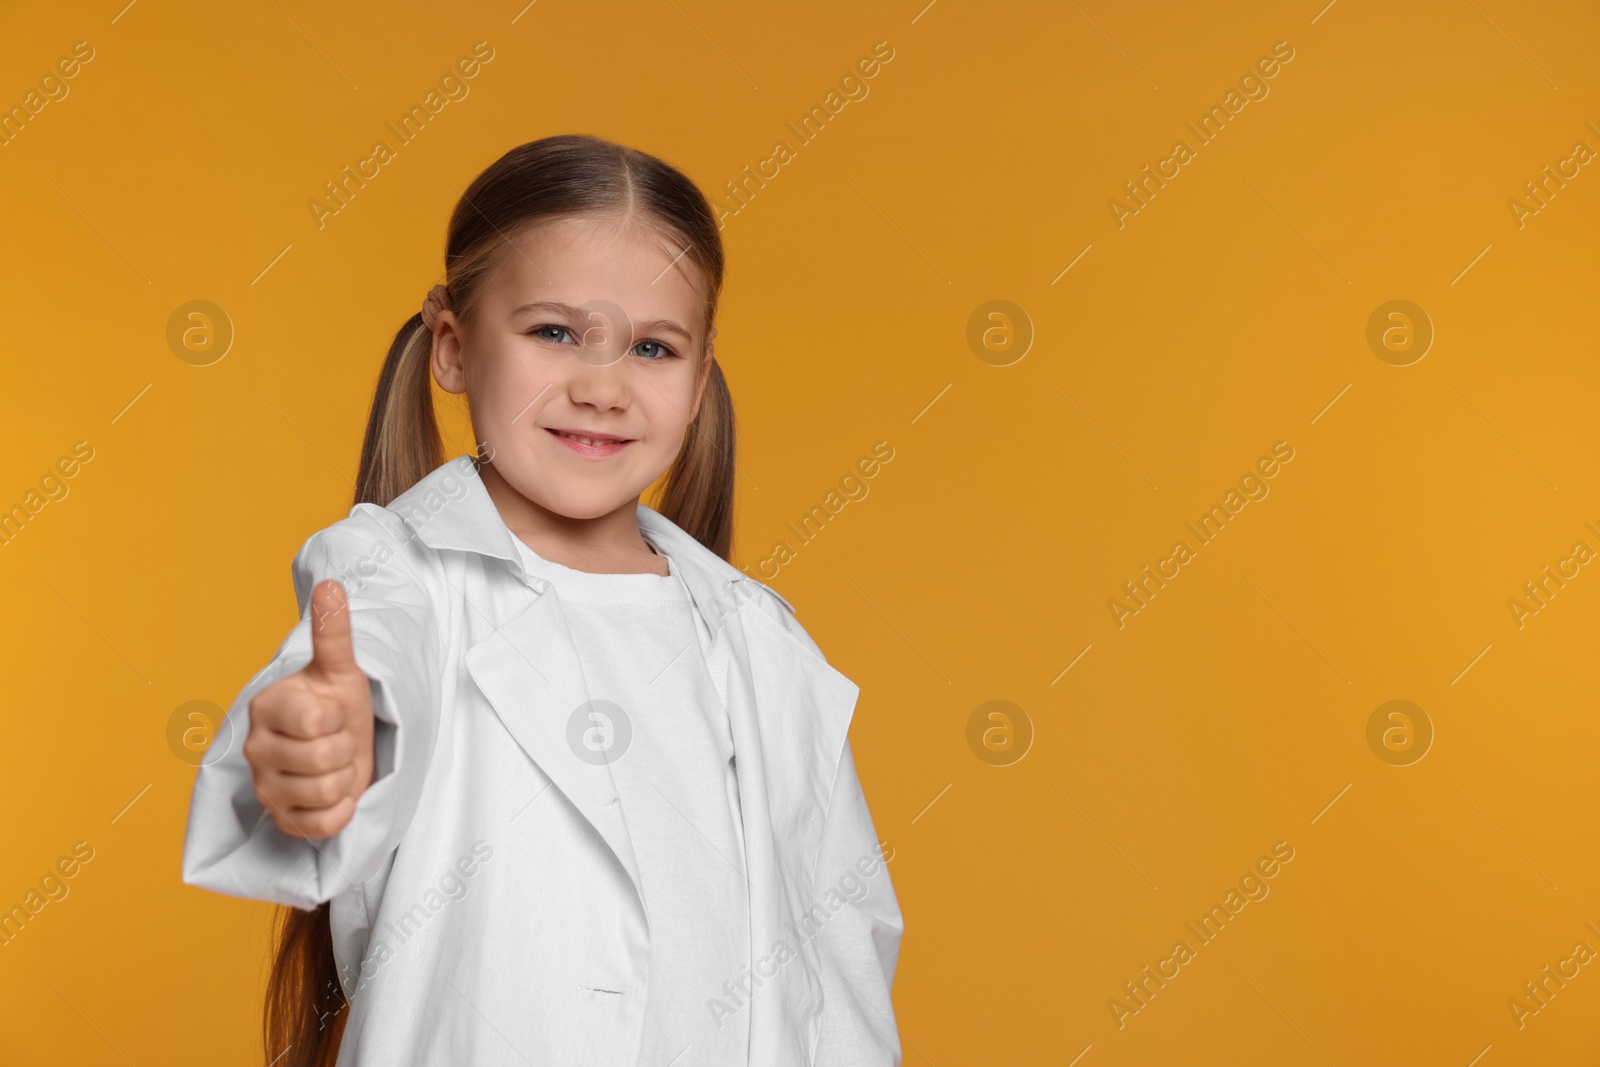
(447, 352)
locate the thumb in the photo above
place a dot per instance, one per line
(331, 649)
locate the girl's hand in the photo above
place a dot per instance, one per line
(310, 742)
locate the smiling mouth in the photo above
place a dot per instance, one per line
(593, 442)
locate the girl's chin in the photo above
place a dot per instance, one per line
(579, 488)
(588, 502)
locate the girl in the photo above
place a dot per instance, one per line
(541, 777)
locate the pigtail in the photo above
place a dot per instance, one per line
(698, 495)
(305, 1010)
(402, 443)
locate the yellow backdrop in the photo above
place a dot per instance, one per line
(1226, 373)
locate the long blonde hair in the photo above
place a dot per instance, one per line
(565, 176)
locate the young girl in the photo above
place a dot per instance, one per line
(542, 778)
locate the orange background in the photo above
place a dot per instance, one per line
(1228, 314)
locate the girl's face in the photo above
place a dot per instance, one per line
(584, 328)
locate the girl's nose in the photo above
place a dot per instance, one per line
(606, 333)
(595, 382)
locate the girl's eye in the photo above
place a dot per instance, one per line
(542, 332)
(662, 351)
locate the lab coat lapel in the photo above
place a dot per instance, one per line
(528, 669)
(526, 665)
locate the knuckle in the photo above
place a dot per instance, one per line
(306, 719)
(257, 747)
(328, 823)
(328, 754)
(326, 790)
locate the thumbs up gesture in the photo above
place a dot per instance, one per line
(310, 742)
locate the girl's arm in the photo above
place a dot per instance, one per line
(233, 846)
(860, 942)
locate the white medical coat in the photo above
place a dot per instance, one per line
(486, 903)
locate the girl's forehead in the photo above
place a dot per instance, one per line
(578, 259)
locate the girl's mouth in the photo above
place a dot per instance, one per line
(590, 446)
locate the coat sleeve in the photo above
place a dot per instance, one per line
(860, 944)
(232, 845)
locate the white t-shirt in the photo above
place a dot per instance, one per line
(659, 686)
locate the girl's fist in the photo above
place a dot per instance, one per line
(310, 741)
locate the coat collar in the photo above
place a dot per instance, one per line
(450, 508)
(788, 710)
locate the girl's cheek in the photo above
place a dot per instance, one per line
(670, 423)
(518, 386)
